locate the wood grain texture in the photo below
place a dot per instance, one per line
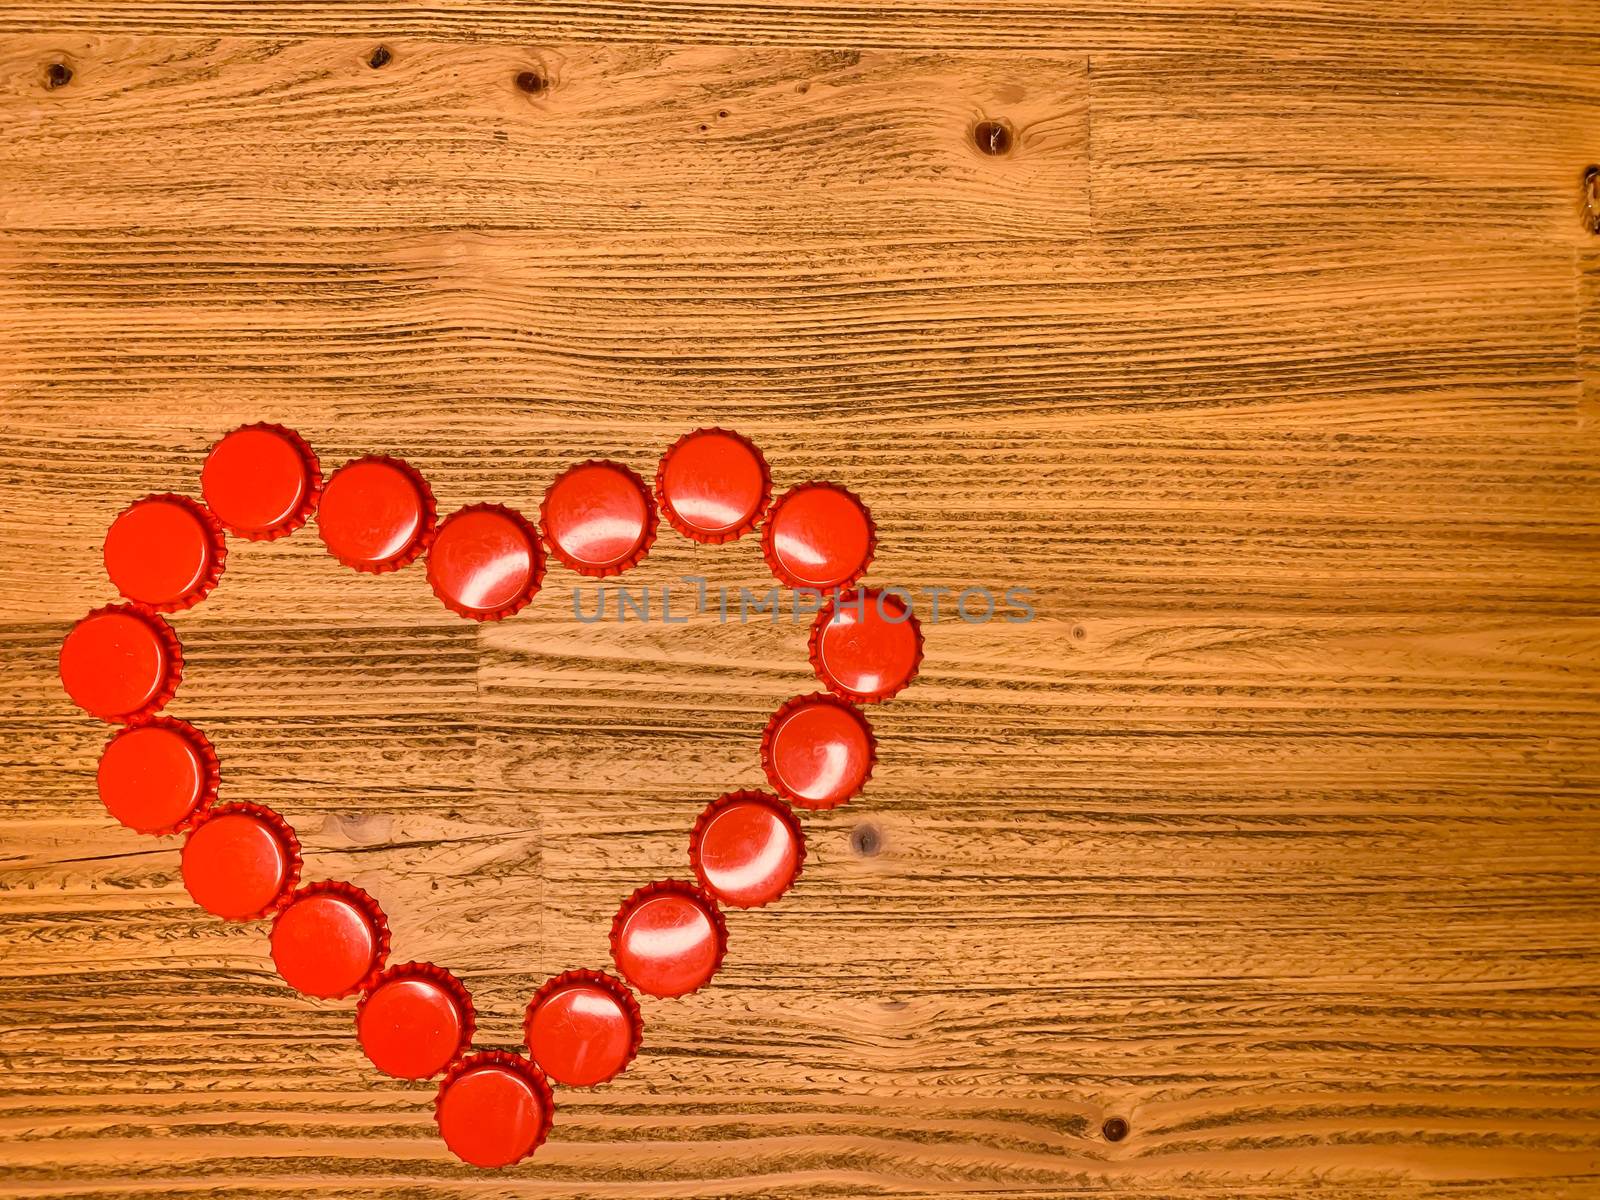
(1370, 148)
(1266, 360)
(771, 143)
(1589, 342)
(1558, 30)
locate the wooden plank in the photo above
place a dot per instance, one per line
(1454, 336)
(769, 143)
(1307, 757)
(1100, 523)
(1558, 30)
(1191, 142)
(980, 1146)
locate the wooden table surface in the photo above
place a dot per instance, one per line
(1266, 354)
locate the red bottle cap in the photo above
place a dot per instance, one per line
(158, 776)
(598, 518)
(416, 1021)
(713, 485)
(747, 848)
(330, 940)
(866, 645)
(818, 751)
(241, 862)
(261, 481)
(121, 663)
(165, 552)
(668, 938)
(494, 1109)
(485, 562)
(583, 1027)
(818, 535)
(376, 514)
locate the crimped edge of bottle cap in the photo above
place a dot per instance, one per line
(425, 532)
(433, 974)
(286, 836)
(169, 642)
(210, 766)
(517, 1063)
(369, 907)
(814, 650)
(214, 536)
(634, 556)
(608, 983)
(308, 502)
(729, 800)
(525, 597)
(693, 533)
(769, 763)
(672, 887)
(769, 551)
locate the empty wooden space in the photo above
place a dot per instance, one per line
(1264, 862)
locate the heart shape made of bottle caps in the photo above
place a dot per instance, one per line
(160, 775)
